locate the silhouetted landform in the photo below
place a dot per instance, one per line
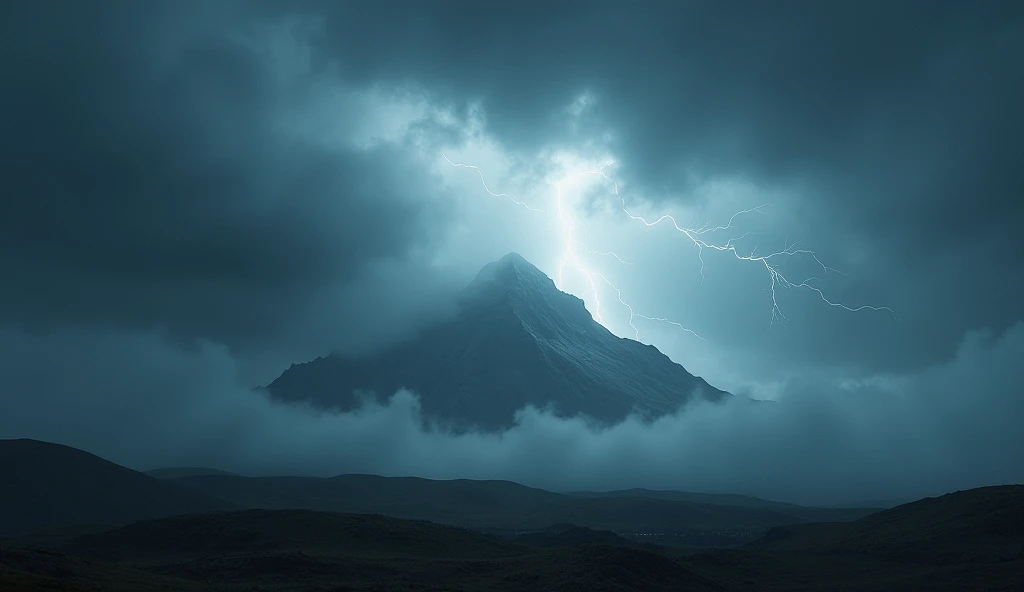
(35, 569)
(881, 504)
(301, 550)
(804, 513)
(966, 541)
(273, 531)
(175, 472)
(48, 485)
(568, 535)
(516, 341)
(507, 507)
(978, 525)
(56, 491)
(723, 499)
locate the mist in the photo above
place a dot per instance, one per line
(141, 400)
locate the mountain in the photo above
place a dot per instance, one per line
(44, 485)
(516, 341)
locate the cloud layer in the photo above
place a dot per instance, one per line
(951, 426)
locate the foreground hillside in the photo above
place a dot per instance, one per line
(979, 525)
(302, 550)
(969, 540)
(49, 485)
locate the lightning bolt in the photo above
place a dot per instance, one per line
(486, 188)
(568, 224)
(700, 237)
(777, 279)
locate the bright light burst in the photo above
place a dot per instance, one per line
(702, 238)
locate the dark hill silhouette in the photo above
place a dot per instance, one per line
(724, 499)
(968, 540)
(175, 472)
(566, 535)
(451, 501)
(804, 513)
(46, 485)
(965, 541)
(516, 341)
(291, 549)
(266, 531)
(495, 504)
(977, 525)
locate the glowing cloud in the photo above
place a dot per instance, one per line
(570, 228)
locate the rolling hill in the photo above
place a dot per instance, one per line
(977, 525)
(49, 485)
(965, 541)
(500, 504)
(175, 472)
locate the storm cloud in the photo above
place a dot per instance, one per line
(197, 194)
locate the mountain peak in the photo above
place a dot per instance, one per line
(517, 341)
(511, 271)
(514, 258)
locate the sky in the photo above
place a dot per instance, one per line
(198, 194)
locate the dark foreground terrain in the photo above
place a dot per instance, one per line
(49, 488)
(72, 521)
(969, 540)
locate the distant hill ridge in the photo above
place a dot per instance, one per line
(969, 540)
(52, 489)
(489, 504)
(175, 472)
(976, 525)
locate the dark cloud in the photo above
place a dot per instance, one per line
(260, 175)
(150, 179)
(895, 125)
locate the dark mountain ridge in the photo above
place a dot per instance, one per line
(516, 341)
